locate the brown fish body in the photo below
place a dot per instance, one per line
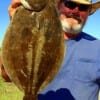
(33, 48)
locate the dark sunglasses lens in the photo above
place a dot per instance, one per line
(83, 7)
(70, 5)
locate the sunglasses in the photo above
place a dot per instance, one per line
(72, 5)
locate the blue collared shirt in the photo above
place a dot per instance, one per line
(80, 71)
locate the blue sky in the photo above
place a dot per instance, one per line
(92, 26)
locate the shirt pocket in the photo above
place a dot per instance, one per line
(85, 70)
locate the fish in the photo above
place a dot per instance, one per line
(33, 46)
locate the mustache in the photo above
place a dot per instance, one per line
(77, 17)
(71, 15)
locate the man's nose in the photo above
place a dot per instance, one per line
(75, 10)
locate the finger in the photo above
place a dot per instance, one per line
(15, 3)
(11, 11)
(13, 6)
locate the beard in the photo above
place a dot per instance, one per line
(73, 27)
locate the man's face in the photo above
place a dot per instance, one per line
(73, 16)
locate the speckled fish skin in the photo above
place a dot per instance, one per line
(33, 48)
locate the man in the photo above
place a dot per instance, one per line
(80, 71)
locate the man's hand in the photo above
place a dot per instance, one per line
(13, 6)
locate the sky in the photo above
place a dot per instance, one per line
(92, 26)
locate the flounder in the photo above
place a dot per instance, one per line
(33, 46)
